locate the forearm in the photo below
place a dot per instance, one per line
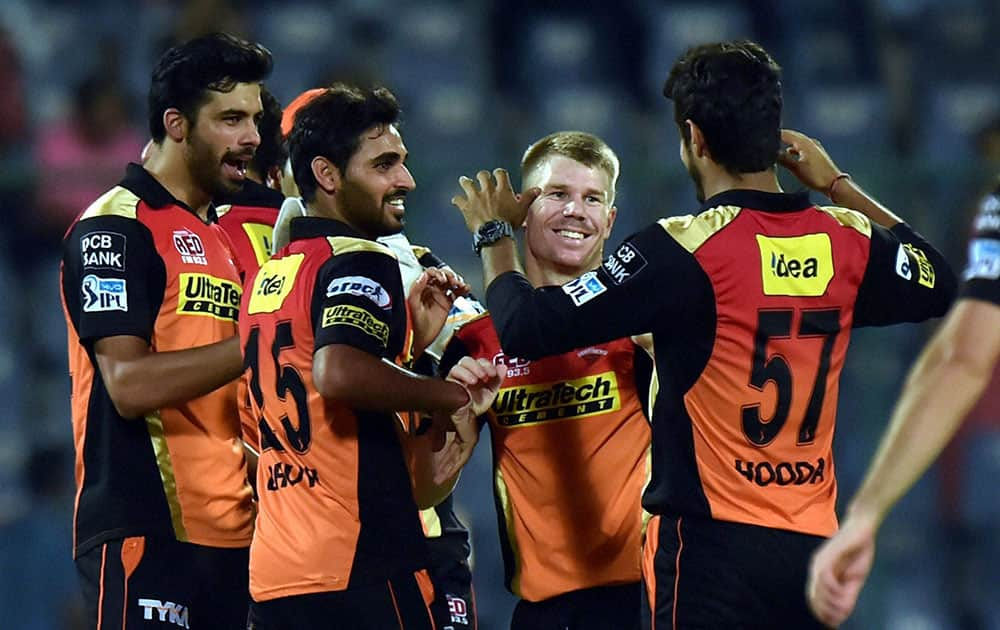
(924, 421)
(847, 193)
(498, 259)
(361, 380)
(140, 384)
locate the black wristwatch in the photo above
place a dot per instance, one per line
(489, 233)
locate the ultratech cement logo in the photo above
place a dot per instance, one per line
(579, 398)
(924, 266)
(347, 315)
(202, 294)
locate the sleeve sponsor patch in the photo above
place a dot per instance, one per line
(584, 289)
(925, 269)
(624, 263)
(984, 260)
(362, 286)
(903, 265)
(103, 250)
(348, 315)
(103, 294)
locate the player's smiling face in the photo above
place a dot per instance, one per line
(223, 137)
(374, 188)
(567, 225)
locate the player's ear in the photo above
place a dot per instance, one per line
(612, 215)
(175, 123)
(327, 175)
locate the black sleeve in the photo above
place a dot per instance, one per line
(645, 281)
(907, 280)
(113, 278)
(354, 301)
(982, 274)
(453, 353)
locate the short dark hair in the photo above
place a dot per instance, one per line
(330, 125)
(271, 152)
(732, 91)
(185, 73)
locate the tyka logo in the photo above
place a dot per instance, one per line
(167, 612)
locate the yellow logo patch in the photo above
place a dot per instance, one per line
(273, 283)
(347, 315)
(579, 398)
(800, 266)
(202, 294)
(924, 266)
(260, 235)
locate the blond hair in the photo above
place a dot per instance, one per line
(582, 147)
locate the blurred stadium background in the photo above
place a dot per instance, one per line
(904, 93)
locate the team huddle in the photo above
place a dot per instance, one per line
(272, 408)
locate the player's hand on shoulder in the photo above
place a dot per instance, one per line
(430, 300)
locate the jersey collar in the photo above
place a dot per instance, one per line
(150, 190)
(320, 227)
(759, 200)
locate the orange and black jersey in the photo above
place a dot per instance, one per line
(248, 218)
(982, 275)
(751, 303)
(138, 262)
(570, 461)
(336, 506)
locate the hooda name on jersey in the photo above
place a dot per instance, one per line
(798, 473)
(202, 294)
(579, 398)
(800, 266)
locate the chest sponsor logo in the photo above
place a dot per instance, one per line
(798, 266)
(984, 260)
(624, 263)
(103, 250)
(584, 289)
(361, 286)
(513, 365)
(189, 246)
(103, 294)
(348, 315)
(202, 294)
(166, 612)
(578, 398)
(259, 235)
(273, 283)
(925, 269)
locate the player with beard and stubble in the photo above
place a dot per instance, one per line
(164, 513)
(750, 302)
(324, 326)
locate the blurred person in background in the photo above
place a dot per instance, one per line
(81, 156)
(569, 438)
(942, 388)
(750, 302)
(164, 513)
